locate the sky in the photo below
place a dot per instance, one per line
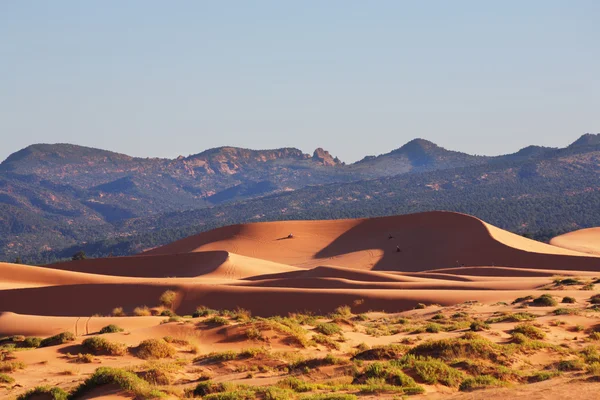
(162, 79)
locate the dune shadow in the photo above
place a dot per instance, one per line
(439, 240)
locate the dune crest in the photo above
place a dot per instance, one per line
(583, 241)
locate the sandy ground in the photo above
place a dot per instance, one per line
(445, 261)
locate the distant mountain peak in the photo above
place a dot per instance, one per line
(322, 156)
(588, 139)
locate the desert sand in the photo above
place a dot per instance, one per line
(583, 241)
(362, 275)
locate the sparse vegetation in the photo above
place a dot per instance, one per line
(328, 328)
(155, 349)
(126, 380)
(118, 312)
(529, 331)
(100, 346)
(111, 329)
(479, 382)
(568, 300)
(544, 300)
(167, 298)
(55, 393)
(56, 340)
(217, 320)
(142, 311)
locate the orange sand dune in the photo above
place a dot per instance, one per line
(90, 299)
(427, 241)
(583, 241)
(216, 264)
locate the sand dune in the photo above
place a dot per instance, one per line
(583, 241)
(444, 257)
(216, 264)
(426, 241)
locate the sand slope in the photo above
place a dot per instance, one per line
(583, 241)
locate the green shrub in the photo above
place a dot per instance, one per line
(386, 352)
(433, 371)
(433, 327)
(522, 299)
(508, 317)
(126, 380)
(570, 365)
(541, 376)
(203, 312)
(565, 311)
(567, 282)
(477, 326)
(55, 340)
(6, 379)
(595, 299)
(155, 349)
(167, 313)
(31, 342)
(568, 300)
(111, 329)
(468, 346)
(545, 300)
(326, 341)
(328, 328)
(529, 331)
(479, 382)
(55, 393)
(420, 306)
(100, 346)
(207, 387)
(217, 320)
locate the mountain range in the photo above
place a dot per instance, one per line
(56, 198)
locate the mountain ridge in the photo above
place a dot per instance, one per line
(55, 196)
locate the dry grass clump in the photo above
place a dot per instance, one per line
(155, 349)
(387, 352)
(477, 326)
(217, 320)
(167, 298)
(203, 311)
(326, 341)
(111, 329)
(379, 374)
(55, 340)
(529, 331)
(430, 370)
(118, 312)
(55, 393)
(6, 379)
(479, 382)
(126, 380)
(544, 300)
(568, 300)
(470, 345)
(510, 317)
(99, 346)
(328, 328)
(142, 311)
(11, 366)
(287, 326)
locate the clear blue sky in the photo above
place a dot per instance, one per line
(160, 78)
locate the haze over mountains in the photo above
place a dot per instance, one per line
(55, 197)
